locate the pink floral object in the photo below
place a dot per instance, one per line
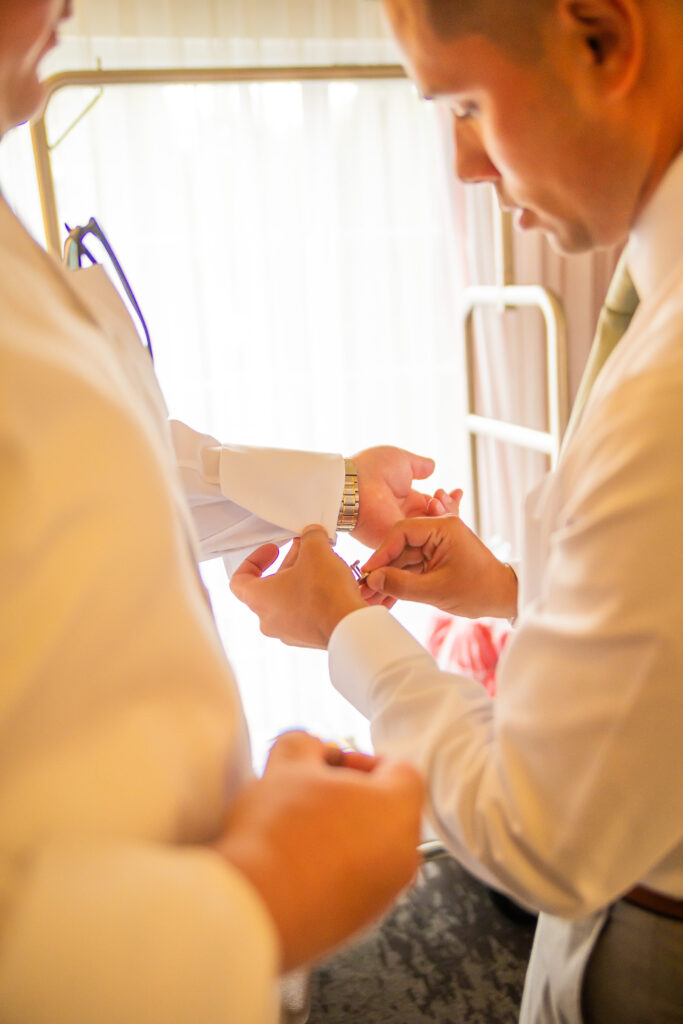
(472, 647)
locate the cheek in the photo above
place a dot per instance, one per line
(514, 157)
(531, 161)
(34, 27)
(520, 136)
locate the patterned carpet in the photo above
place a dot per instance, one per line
(449, 953)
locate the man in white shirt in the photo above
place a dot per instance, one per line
(565, 791)
(144, 875)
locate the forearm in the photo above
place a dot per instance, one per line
(444, 725)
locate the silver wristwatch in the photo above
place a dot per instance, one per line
(350, 502)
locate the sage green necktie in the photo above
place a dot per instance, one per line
(615, 316)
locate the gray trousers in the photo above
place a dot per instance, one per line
(622, 965)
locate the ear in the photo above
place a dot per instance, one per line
(609, 36)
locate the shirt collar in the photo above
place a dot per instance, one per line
(656, 242)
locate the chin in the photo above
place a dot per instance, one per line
(571, 243)
(565, 248)
(29, 102)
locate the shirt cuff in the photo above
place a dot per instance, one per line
(289, 488)
(365, 645)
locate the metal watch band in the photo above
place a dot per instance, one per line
(350, 502)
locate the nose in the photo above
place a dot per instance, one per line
(472, 162)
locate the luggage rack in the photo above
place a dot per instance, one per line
(503, 296)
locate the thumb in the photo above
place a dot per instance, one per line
(314, 536)
(251, 569)
(295, 746)
(404, 782)
(400, 583)
(421, 467)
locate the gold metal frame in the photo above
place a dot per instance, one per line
(99, 78)
(508, 295)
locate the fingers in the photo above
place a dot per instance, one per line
(336, 757)
(442, 503)
(374, 598)
(359, 762)
(452, 500)
(394, 776)
(411, 533)
(299, 747)
(435, 507)
(390, 549)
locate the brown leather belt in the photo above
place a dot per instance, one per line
(657, 902)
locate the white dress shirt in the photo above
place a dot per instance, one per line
(565, 790)
(242, 497)
(122, 739)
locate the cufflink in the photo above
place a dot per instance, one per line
(358, 575)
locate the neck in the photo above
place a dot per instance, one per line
(660, 115)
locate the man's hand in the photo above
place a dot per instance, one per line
(440, 561)
(328, 842)
(385, 483)
(304, 600)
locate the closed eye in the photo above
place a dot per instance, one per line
(465, 111)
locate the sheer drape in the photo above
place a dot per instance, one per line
(296, 20)
(219, 32)
(299, 251)
(288, 247)
(511, 351)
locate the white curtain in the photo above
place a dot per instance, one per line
(327, 20)
(299, 251)
(288, 246)
(220, 32)
(511, 359)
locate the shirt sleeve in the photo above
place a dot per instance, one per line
(243, 497)
(560, 791)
